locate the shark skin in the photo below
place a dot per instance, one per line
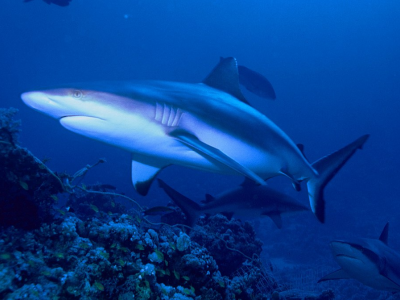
(249, 200)
(207, 126)
(370, 261)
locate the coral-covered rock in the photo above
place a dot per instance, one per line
(229, 241)
(27, 188)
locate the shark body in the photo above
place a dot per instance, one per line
(370, 261)
(208, 126)
(249, 200)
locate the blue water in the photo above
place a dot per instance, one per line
(334, 66)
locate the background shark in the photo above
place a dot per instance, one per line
(248, 200)
(208, 126)
(256, 83)
(56, 2)
(370, 261)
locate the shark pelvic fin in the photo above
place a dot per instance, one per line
(215, 154)
(338, 274)
(143, 175)
(385, 233)
(276, 218)
(225, 77)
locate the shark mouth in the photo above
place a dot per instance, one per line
(347, 257)
(79, 116)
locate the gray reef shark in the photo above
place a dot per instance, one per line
(208, 126)
(370, 261)
(256, 83)
(249, 200)
(56, 2)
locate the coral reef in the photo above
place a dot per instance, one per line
(96, 248)
(217, 233)
(27, 188)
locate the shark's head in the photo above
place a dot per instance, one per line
(64, 103)
(365, 261)
(350, 254)
(95, 114)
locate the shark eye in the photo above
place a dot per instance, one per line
(77, 94)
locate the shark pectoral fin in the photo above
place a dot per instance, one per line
(191, 209)
(211, 152)
(276, 218)
(143, 175)
(338, 274)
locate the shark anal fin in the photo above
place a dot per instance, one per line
(276, 218)
(338, 274)
(211, 152)
(225, 77)
(384, 235)
(143, 175)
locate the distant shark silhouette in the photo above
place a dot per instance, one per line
(249, 200)
(255, 83)
(56, 2)
(370, 261)
(207, 126)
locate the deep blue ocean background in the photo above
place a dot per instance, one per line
(334, 65)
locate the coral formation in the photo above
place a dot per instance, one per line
(95, 248)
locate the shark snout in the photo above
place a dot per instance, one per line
(54, 103)
(42, 102)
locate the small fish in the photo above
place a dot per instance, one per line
(24, 185)
(176, 274)
(158, 211)
(94, 207)
(56, 2)
(99, 286)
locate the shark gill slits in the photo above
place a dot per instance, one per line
(167, 115)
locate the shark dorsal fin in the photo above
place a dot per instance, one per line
(384, 235)
(209, 198)
(225, 77)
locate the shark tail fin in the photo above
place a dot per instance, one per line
(327, 167)
(191, 209)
